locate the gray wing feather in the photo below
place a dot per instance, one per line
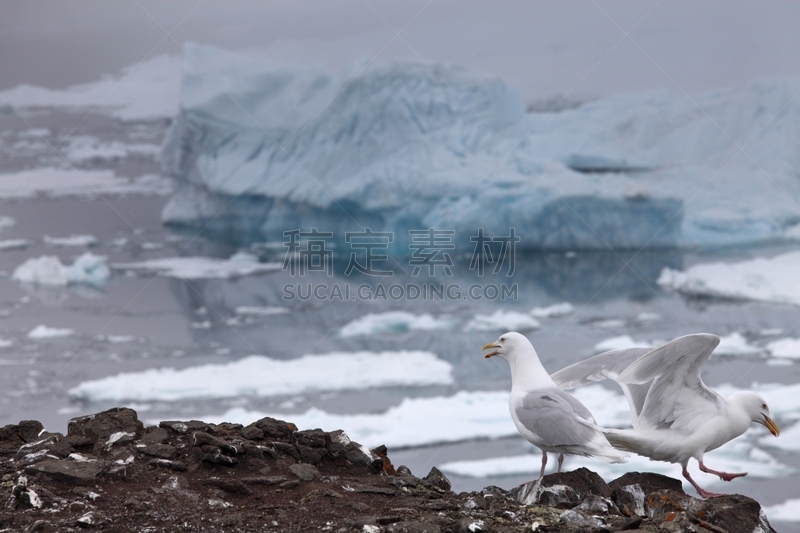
(607, 365)
(677, 397)
(557, 418)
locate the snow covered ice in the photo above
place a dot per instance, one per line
(263, 376)
(394, 322)
(236, 266)
(408, 146)
(762, 279)
(507, 320)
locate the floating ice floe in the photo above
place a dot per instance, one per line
(762, 279)
(394, 322)
(503, 320)
(72, 240)
(249, 310)
(263, 376)
(7, 223)
(423, 421)
(415, 422)
(786, 348)
(85, 148)
(44, 332)
(58, 182)
(736, 344)
(622, 342)
(119, 339)
(403, 146)
(202, 267)
(145, 91)
(48, 270)
(15, 244)
(551, 311)
(789, 440)
(788, 511)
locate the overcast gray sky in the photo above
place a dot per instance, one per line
(544, 48)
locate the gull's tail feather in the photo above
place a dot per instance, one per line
(610, 455)
(601, 449)
(625, 439)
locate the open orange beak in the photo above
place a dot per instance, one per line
(772, 426)
(491, 346)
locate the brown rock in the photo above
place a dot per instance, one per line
(78, 473)
(100, 426)
(162, 451)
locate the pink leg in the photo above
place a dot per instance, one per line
(560, 461)
(544, 464)
(700, 490)
(724, 476)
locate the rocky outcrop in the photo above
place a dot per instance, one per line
(109, 473)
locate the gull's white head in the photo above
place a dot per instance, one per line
(509, 345)
(756, 408)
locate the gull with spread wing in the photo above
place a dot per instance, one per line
(675, 416)
(546, 416)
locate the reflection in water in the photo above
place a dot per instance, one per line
(580, 277)
(313, 325)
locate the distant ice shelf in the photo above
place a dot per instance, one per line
(258, 149)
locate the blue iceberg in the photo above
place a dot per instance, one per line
(258, 149)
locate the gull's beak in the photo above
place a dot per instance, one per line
(772, 426)
(490, 346)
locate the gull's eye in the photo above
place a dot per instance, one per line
(763, 406)
(503, 340)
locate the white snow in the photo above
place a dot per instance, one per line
(394, 322)
(257, 375)
(58, 182)
(43, 332)
(503, 320)
(736, 344)
(788, 511)
(648, 317)
(201, 267)
(72, 240)
(148, 90)
(622, 342)
(786, 348)
(87, 269)
(630, 163)
(551, 311)
(763, 279)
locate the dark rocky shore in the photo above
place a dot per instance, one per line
(110, 473)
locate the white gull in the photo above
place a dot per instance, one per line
(675, 416)
(546, 416)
